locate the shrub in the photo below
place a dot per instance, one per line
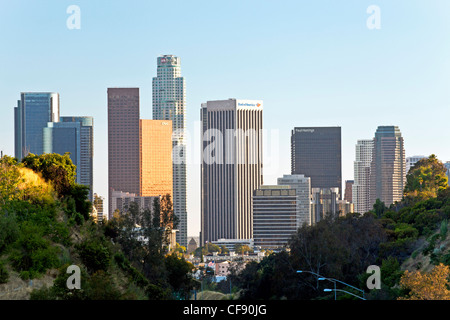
(95, 254)
(33, 254)
(9, 230)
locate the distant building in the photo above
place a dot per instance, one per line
(388, 167)
(121, 201)
(231, 244)
(98, 206)
(361, 167)
(34, 110)
(411, 161)
(123, 142)
(302, 185)
(276, 216)
(316, 153)
(231, 167)
(345, 207)
(325, 203)
(169, 103)
(76, 136)
(155, 152)
(348, 190)
(192, 246)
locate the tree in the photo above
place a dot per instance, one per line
(425, 179)
(54, 167)
(427, 286)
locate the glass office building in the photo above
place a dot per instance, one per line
(316, 153)
(74, 135)
(34, 110)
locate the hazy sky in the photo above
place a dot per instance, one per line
(313, 63)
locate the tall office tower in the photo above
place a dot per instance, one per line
(76, 136)
(169, 103)
(348, 190)
(361, 172)
(231, 167)
(411, 161)
(302, 186)
(34, 110)
(388, 167)
(324, 203)
(156, 175)
(123, 142)
(275, 216)
(316, 153)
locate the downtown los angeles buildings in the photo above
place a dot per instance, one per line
(139, 151)
(169, 103)
(39, 129)
(379, 169)
(231, 167)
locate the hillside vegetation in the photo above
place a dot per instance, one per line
(408, 236)
(45, 226)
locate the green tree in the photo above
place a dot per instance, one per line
(425, 179)
(54, 167)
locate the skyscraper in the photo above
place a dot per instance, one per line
(74, 135)
(156, 175)
(361, 167)
(169, 103)
(123, 142)
(388, 167)
(34, 110)
(231, 167)
(316, 153)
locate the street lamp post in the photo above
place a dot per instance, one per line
(320, 277)
(329, 290)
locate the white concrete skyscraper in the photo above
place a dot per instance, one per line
(169, 103)
(360, 189)
(231, 167)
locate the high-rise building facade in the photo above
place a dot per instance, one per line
(123, 142)
(302, 187)
(316, 153)
(76, 136)
(388, 167)
(34, 110)
(275, 216)
(231, 167)
(169, 103)
(156, 175)
(361, 167)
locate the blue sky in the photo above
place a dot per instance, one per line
(313, 63)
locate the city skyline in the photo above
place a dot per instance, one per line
(362, 75)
